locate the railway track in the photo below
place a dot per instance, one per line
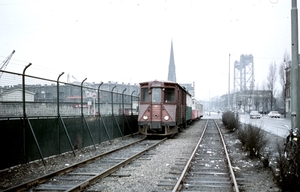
(79, 176)
(208, 168)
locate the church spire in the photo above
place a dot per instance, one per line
(172, 73)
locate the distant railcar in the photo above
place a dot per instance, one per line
(189, 108)
(164, 108)
(197, 110)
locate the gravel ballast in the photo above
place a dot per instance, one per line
(144, 174)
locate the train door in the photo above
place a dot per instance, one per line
(181, 106)
(156, 108)
(178, 106)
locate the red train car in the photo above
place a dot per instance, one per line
(162, 108)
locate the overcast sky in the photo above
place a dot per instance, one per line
(129, 41)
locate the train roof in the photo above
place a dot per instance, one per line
(164, 81)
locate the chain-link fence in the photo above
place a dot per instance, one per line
(42, 117)
(38, 97)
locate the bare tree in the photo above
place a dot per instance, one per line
(271, 80)
(265, 99)
(282, 78)
(256, 99)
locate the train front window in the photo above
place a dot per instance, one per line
(145, 95)
(156, 95)
(169, 95)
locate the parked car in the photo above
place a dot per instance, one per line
(274, 114)
(255, 115)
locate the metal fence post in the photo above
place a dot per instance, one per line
(81, 107)
(124, 116)
(83, 117)
(23, 91)
(58, 114)
(57, 103)
(123, 109)
(25, 118)
(81, 99)
(99, 98)
(24, 110)
(112, 100)
(61, 120)
(131, 103)
(112, 112)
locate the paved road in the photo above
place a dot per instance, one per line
(272, 125)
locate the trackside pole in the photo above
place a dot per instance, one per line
(294, 68)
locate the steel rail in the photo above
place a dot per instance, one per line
(81, 186)
(189, 163)
(184, 173)
(42, 179)
(232, 175)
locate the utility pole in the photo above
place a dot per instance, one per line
(294, 67)
(229, 84)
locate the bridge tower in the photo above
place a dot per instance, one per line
(244, 73)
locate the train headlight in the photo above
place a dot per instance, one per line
(166, 117)
(145, 117)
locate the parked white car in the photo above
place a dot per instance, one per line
(255, 115)
(274, 114)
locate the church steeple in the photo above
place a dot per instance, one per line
(172, 73)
